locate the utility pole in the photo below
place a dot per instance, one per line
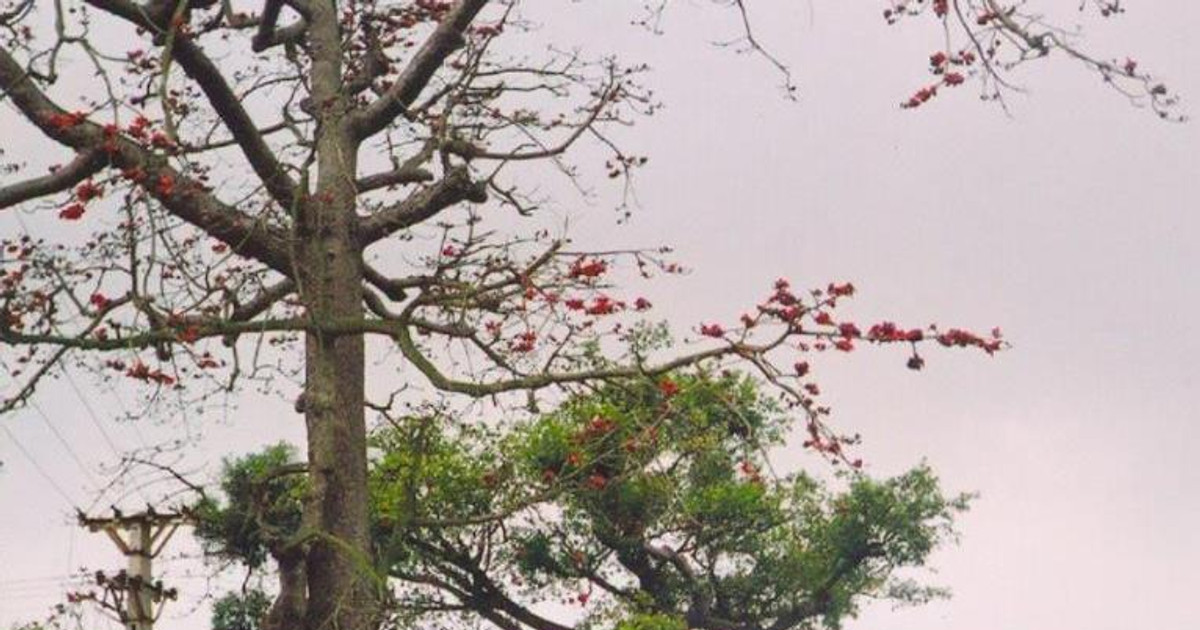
(133, 595)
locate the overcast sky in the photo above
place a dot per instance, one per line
(1070, 224)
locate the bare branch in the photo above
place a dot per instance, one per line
(184, 197)
(456, 187)
(446, 38)
(393, 177)
(224, 101)
(85, 164)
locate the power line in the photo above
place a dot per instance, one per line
(116, 394)
(42, 589)
(58, 436)
(95, 418)
(63, 441)
(90, 412)
(37, 466)
(42, 414)
(43, 578)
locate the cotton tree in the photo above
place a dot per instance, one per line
(249, 191)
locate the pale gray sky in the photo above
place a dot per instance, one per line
(1070, 225)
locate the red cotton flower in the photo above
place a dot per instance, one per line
(206, 361)
(100, 301)
(921, 97)
(64, 121)
(160, 140)
(88, 191)
(584, 268)
(604, 305)
(712, 330)
(135, 174)
(191, 334)
(72, 212)
(142, 372)
(668, 388)
(599, 425)
(525, 342)
(165, 185)
(138, 127)
(841, 290)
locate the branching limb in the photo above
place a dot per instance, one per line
(457, 186)
(394, 177)
(182, 196)
(221, 97)
(86, 163)
(446, 38)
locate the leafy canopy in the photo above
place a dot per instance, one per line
(648, 504)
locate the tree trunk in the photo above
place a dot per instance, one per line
(342, 592)
(287, 613)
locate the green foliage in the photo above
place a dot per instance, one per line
(240, 611)
(429, 470)
(655, 494)
(678, 464)
(651, 622)
(262, 506)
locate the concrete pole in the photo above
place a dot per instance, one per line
(140, 602)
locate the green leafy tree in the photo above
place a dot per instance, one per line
(240, 611)
(648, 504)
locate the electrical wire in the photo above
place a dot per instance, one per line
(37, 466)
(63, 442)
(112, 445)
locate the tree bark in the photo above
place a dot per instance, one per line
(287, 613)
(342, 592)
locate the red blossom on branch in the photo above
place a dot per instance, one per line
(165, 185)
(73, 212)
(584, 268)
(524, 343)
(88, 191)
(142, 372)
(64, 121)
(100, 301)
(604, 305)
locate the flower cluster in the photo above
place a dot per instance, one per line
(63, 121)
(142, 372)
